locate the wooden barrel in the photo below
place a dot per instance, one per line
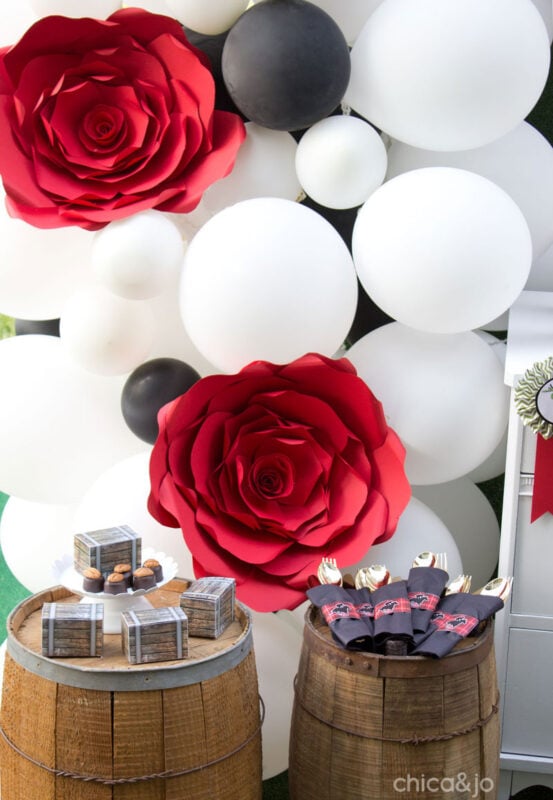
(369, 727)
(103, 729)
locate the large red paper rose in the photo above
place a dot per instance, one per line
(269, 470)
(100, 119)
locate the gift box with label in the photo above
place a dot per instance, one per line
(156, 634)
(72, 630)
(107, 547)
(209, 605)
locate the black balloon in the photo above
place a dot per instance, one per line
(46, 327)
(149, 387)
(286, 64)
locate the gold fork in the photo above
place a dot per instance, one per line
(329, 572)
(429, 559)
(459, 584)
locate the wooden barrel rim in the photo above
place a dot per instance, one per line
(472, 653)
(133, 678)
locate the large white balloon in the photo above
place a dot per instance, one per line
(267, 279)
(119, 497)
(213, 17)
(33, 536)
(15, 18)
(541, 274)
(40, 269)
(443, 394)
(449, 76)
(521, 163)
(139, 256)
(470, 518)
(75, 8)
(60, 426)
(546, 10)
(170, 337)
(264, 167)
(442, 249)
(106, 334)
(277, 648)
(340, 161)
(419, 529)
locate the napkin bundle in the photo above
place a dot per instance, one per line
(413, 611)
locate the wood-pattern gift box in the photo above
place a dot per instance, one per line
(105, 548)
(156, 634)
(209, 605)
(72, 630)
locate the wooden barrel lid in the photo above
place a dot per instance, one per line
(468, 653)
(207, 659)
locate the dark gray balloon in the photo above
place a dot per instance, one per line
(149, 387)
(286, 64)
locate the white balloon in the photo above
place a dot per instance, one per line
(170, 337)
(443, 395)
(470, 518)
(119, 497)
(75, 8)
(546, 10)
(340, 161)
(272, 635)
(15, 19)
(521, 163)
(57, 261)
(267, 279)
(213, 17)
(33, 536)
(442, 249)
(264, 167)
(138, 257)
(155, 6)
(60, 426)
(541, 273)
(449, 76)
(106, 334)
(419, 529)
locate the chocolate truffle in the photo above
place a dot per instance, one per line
(155, 566)
(115, 583)
(126, 571)
(93, 580)
(143, 578)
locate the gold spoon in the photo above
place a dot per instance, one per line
(499, 587)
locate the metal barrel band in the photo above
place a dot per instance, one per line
(415, 740)
(170, 773)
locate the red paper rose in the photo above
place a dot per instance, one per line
(269, 470)
(100, 119)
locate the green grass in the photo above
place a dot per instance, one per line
(7, 326)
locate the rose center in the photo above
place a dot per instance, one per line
(272, 477)
(102, 125)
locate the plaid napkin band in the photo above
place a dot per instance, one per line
(392, 613)
(456, 616)
(345, 613)
(424, 588)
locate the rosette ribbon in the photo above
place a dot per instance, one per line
(534, 404)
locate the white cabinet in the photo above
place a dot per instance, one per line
(524, 630)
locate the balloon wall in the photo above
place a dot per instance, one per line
(388, 201)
